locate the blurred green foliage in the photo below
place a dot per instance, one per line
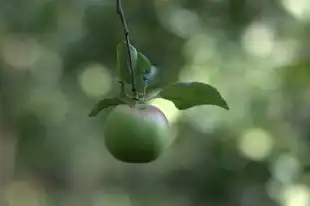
(59, 57)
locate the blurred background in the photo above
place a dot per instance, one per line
(58, 58)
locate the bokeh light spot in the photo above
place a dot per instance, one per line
(274, 189)
(199, 49)
(184, 22)
(286, 168)
(284, 52)
(296, 195)
(95, 80)
(300, 9)
(194, 73)
(20, 53)
(180, 21)
(256, 144)
(258, 40)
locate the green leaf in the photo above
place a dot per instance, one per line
(186, 95)
(147, 74)
(123, 61)
(104, 104)
(143, 63)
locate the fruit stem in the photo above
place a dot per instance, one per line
(120, 12)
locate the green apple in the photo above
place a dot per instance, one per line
(136, 135)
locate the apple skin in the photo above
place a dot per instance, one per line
(136, 135)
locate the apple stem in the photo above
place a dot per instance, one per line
(125, 97)
(120, 12)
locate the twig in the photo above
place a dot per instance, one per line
(120, 12)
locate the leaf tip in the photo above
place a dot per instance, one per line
(91, 114)
(226, 107)
(104, 104)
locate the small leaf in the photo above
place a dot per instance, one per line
(143, 63)
(148, 72)
(185, 95)
(104, 104)
(123, 61)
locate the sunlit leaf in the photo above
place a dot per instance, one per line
(187, 95)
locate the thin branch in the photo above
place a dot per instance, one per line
(120, 12)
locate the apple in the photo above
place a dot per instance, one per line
(136, 135)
